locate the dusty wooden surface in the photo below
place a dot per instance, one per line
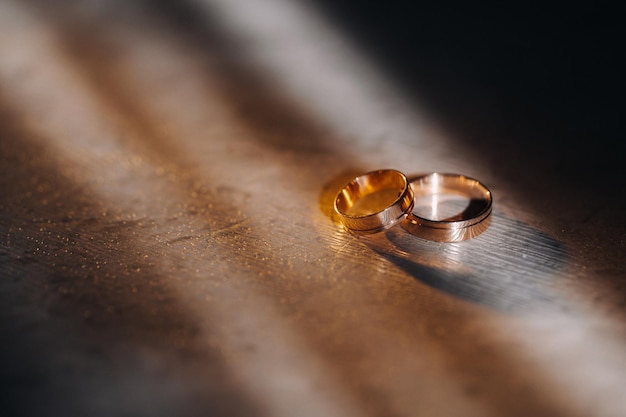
(167, 245)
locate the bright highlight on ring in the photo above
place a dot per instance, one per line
(374, 201)
(469, 223)
(380, 199)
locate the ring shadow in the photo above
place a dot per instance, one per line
(510, 267)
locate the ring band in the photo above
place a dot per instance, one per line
(374, 201)
(465, 225)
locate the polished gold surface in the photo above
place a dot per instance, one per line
(440, 226)
(374, 201)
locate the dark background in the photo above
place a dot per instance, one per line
(560, 62)
(545, 82)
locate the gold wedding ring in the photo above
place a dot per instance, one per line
(374, 201)
(442, 227)
(377, 200)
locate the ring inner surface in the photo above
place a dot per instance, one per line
(449, 198)
(371, 194)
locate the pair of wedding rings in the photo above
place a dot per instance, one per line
(377, 200)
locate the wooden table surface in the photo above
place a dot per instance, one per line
(168, 248)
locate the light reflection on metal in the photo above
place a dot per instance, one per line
(374, 201)
(469, 223)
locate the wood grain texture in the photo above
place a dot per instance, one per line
(168, 246)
